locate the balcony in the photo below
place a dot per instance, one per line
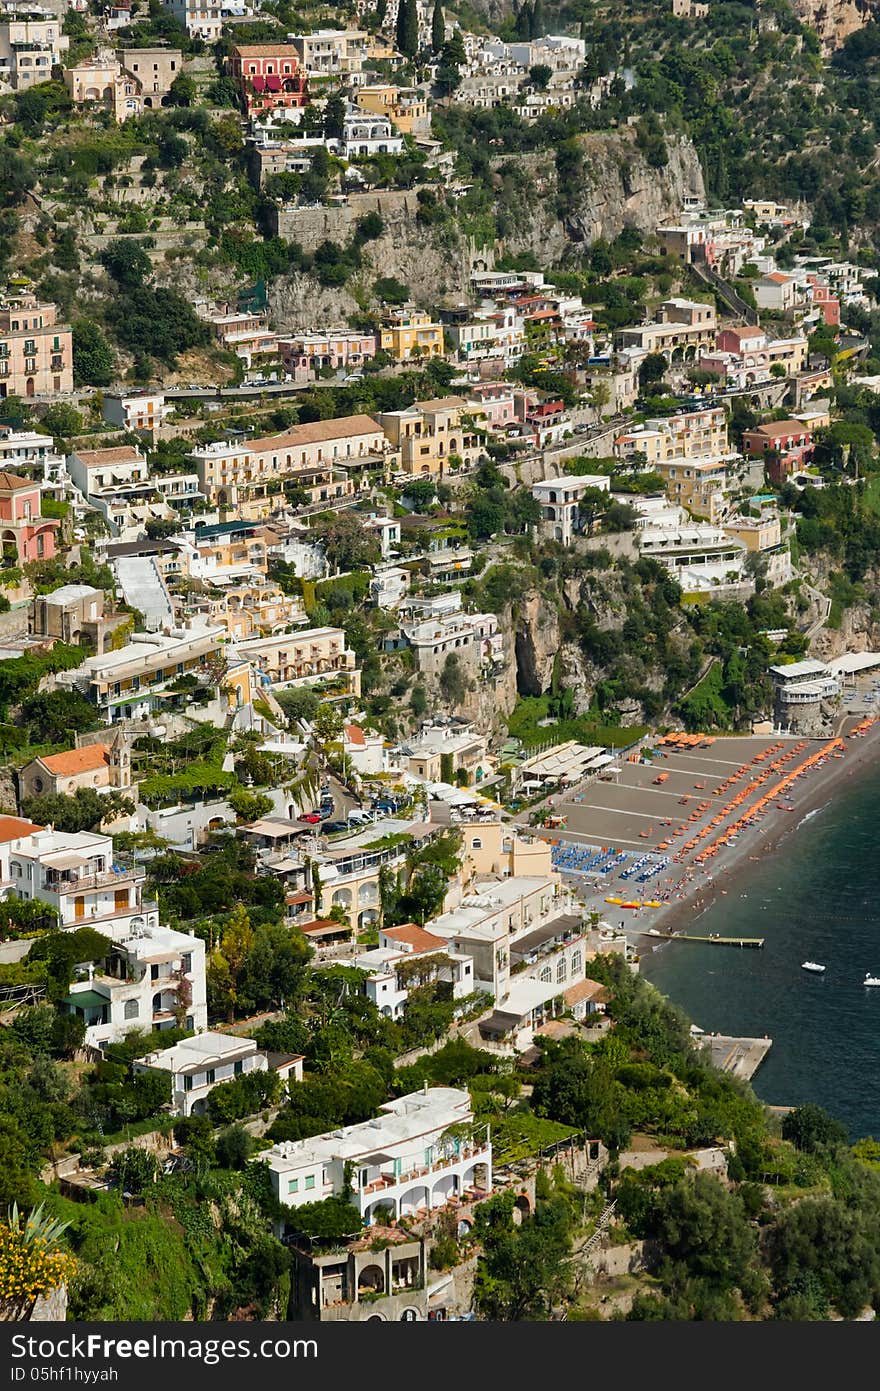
(117, 879)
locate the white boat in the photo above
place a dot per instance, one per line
(871, 980)
(812, 966)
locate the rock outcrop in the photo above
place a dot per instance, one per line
(834, 20)
(617, 189)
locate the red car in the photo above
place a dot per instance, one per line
(311, 816)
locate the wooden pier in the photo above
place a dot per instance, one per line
(754, 942)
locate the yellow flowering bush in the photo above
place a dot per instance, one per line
(32, 1262)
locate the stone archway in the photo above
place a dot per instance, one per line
(371, 1278)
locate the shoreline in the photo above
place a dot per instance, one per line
(734, 866)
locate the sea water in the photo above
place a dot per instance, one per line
(816, 897)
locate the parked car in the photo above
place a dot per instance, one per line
(313, 817)
(360, 818)
(330, 828)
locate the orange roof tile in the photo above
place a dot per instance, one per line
(12, 482)
(317, 432)
(73, 761)
(13, 827)
(354, 734)
(122, 454)
(416, 937)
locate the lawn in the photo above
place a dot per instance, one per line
(524, 724)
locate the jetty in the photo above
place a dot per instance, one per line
(741, 1057)
(754, 942)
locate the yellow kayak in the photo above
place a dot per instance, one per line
(614, 900)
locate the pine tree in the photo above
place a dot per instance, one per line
(438, 28)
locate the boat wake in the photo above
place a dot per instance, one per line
(810, 814)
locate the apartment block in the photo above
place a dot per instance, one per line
(419, 1151)
(31, 44)
(411, 333)
(36, 352)
(130, 683)
(433, 436)
(307, 657)
(154, 978)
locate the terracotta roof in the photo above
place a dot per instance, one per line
(304, 896)
(778, 278)
(13, 827)
(354, 734)
(73, 761)
(123, 454)
(587, 990)
(776, 429)
(316, 433)
(441, 403)
(416, 937)
(319, 926)
(12, 482)
(748, 331)
(266, 50)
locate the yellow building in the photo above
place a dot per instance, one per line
(429, 434)
(308, 657)
(405, 106)
(700, 485)
(489, 848)
(409, 333)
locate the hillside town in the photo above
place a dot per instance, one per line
(385, 523)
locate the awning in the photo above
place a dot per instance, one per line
(65, 859)
(86, 999)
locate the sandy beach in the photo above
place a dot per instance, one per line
(684, 889)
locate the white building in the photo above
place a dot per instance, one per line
(474, 638)
(428, 958)
(197, 1065)
(700, 557)
(202, 19)
(76, 874)
(153, 979)
(364, 134)
(412, 1156)
(31, 452)
(560, 502)
(141, 412)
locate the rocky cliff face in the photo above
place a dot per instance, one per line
(834, 20)
(435, 264)
(617, 189)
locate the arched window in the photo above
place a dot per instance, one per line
(131, 1009)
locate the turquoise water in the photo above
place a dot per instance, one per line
(816, 898)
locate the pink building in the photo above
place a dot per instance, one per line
(36, 353)
(312, 351)
(21, 525)
(269, 76)
(494, 402)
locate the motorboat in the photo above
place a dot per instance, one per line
(812, 966)
(871, 980)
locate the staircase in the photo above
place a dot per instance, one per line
(735, 303)
(143, 588)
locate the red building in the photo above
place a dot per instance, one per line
(825, 300)
(269, 76)
(785, 445)
(21, 525)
